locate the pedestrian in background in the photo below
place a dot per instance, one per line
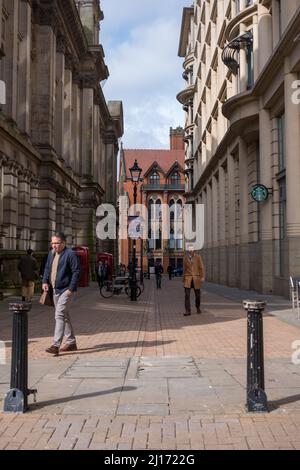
(170, 271)
(193, 276)
(28, 268)
(158, 272)
(62, 273)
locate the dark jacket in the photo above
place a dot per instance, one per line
(158, 269)
(28, 268)
(68, 271)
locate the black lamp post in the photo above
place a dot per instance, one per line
(135, 172)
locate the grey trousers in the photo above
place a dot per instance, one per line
(63, 325)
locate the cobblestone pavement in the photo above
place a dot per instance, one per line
(147, 377)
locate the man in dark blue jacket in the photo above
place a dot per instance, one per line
(62, 274)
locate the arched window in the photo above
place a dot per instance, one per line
(172, 209)
(158, 209)
(179, 240)
(178, 211)
(172, 241)
(150, 209)
(154, 179)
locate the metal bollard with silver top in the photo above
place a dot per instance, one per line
(256, 397)
(16, 399)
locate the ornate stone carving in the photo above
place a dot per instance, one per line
(45, 13)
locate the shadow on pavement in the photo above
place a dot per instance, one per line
(58, 401)
(106, 347)
(275, 404)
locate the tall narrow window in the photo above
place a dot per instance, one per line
(250, 65)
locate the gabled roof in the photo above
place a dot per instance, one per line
(154, 167)
(164, 158)
(175, 167)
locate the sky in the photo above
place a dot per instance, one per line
(140, 40)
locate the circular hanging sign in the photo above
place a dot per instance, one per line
(259, 193)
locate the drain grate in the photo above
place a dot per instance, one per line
(109, 368)
(167, 367)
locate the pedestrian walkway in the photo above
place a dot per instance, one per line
(147, 377)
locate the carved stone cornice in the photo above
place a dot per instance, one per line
(12, 168)
(3, 159)
(25, 176)
(61, 43)
(109, 137)
(45, 13)
(88, 80)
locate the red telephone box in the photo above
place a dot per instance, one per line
(109, 258)
(83, 254)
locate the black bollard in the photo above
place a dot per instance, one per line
(16, 399)
(256, 397)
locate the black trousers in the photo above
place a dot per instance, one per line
(188, 298)
(158, 281)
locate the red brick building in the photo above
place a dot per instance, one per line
(162, 182)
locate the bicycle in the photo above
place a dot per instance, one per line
(110, 288)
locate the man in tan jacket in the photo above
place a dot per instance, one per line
(193, 276)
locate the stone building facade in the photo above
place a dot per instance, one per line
(242, 67)
(58, 135)
(162, 182)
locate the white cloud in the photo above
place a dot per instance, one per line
(145, 71)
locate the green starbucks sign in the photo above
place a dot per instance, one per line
(259, 193)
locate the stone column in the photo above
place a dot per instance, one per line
(10, 203)
(60, 99)
(222, 225)
(3, 161)
(68, 221)
(87, 138)
(68, 157)
(60, 211)
(215, 229)
(23, 241)
(43, 91)
(11, 59)
(264, 45)
(24, 97)
(243, 216)
(265, 173)
(76, 133)
(209, 230)
(96, 160)
(43, 214)
(292, 164)
(232, 255)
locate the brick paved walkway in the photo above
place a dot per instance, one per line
(118, 391)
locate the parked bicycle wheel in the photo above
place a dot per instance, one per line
(107, 290)
(128, 291)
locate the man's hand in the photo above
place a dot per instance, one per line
(202, 279)
(69, 292)
(45, 287)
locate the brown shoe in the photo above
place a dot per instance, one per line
(53, 350)
(69, 347)
(199, 310)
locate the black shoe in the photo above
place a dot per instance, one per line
(199, 310)
(53, 350)
(23, 299)
(186, 314)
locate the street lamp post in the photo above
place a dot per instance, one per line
(135, 172)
